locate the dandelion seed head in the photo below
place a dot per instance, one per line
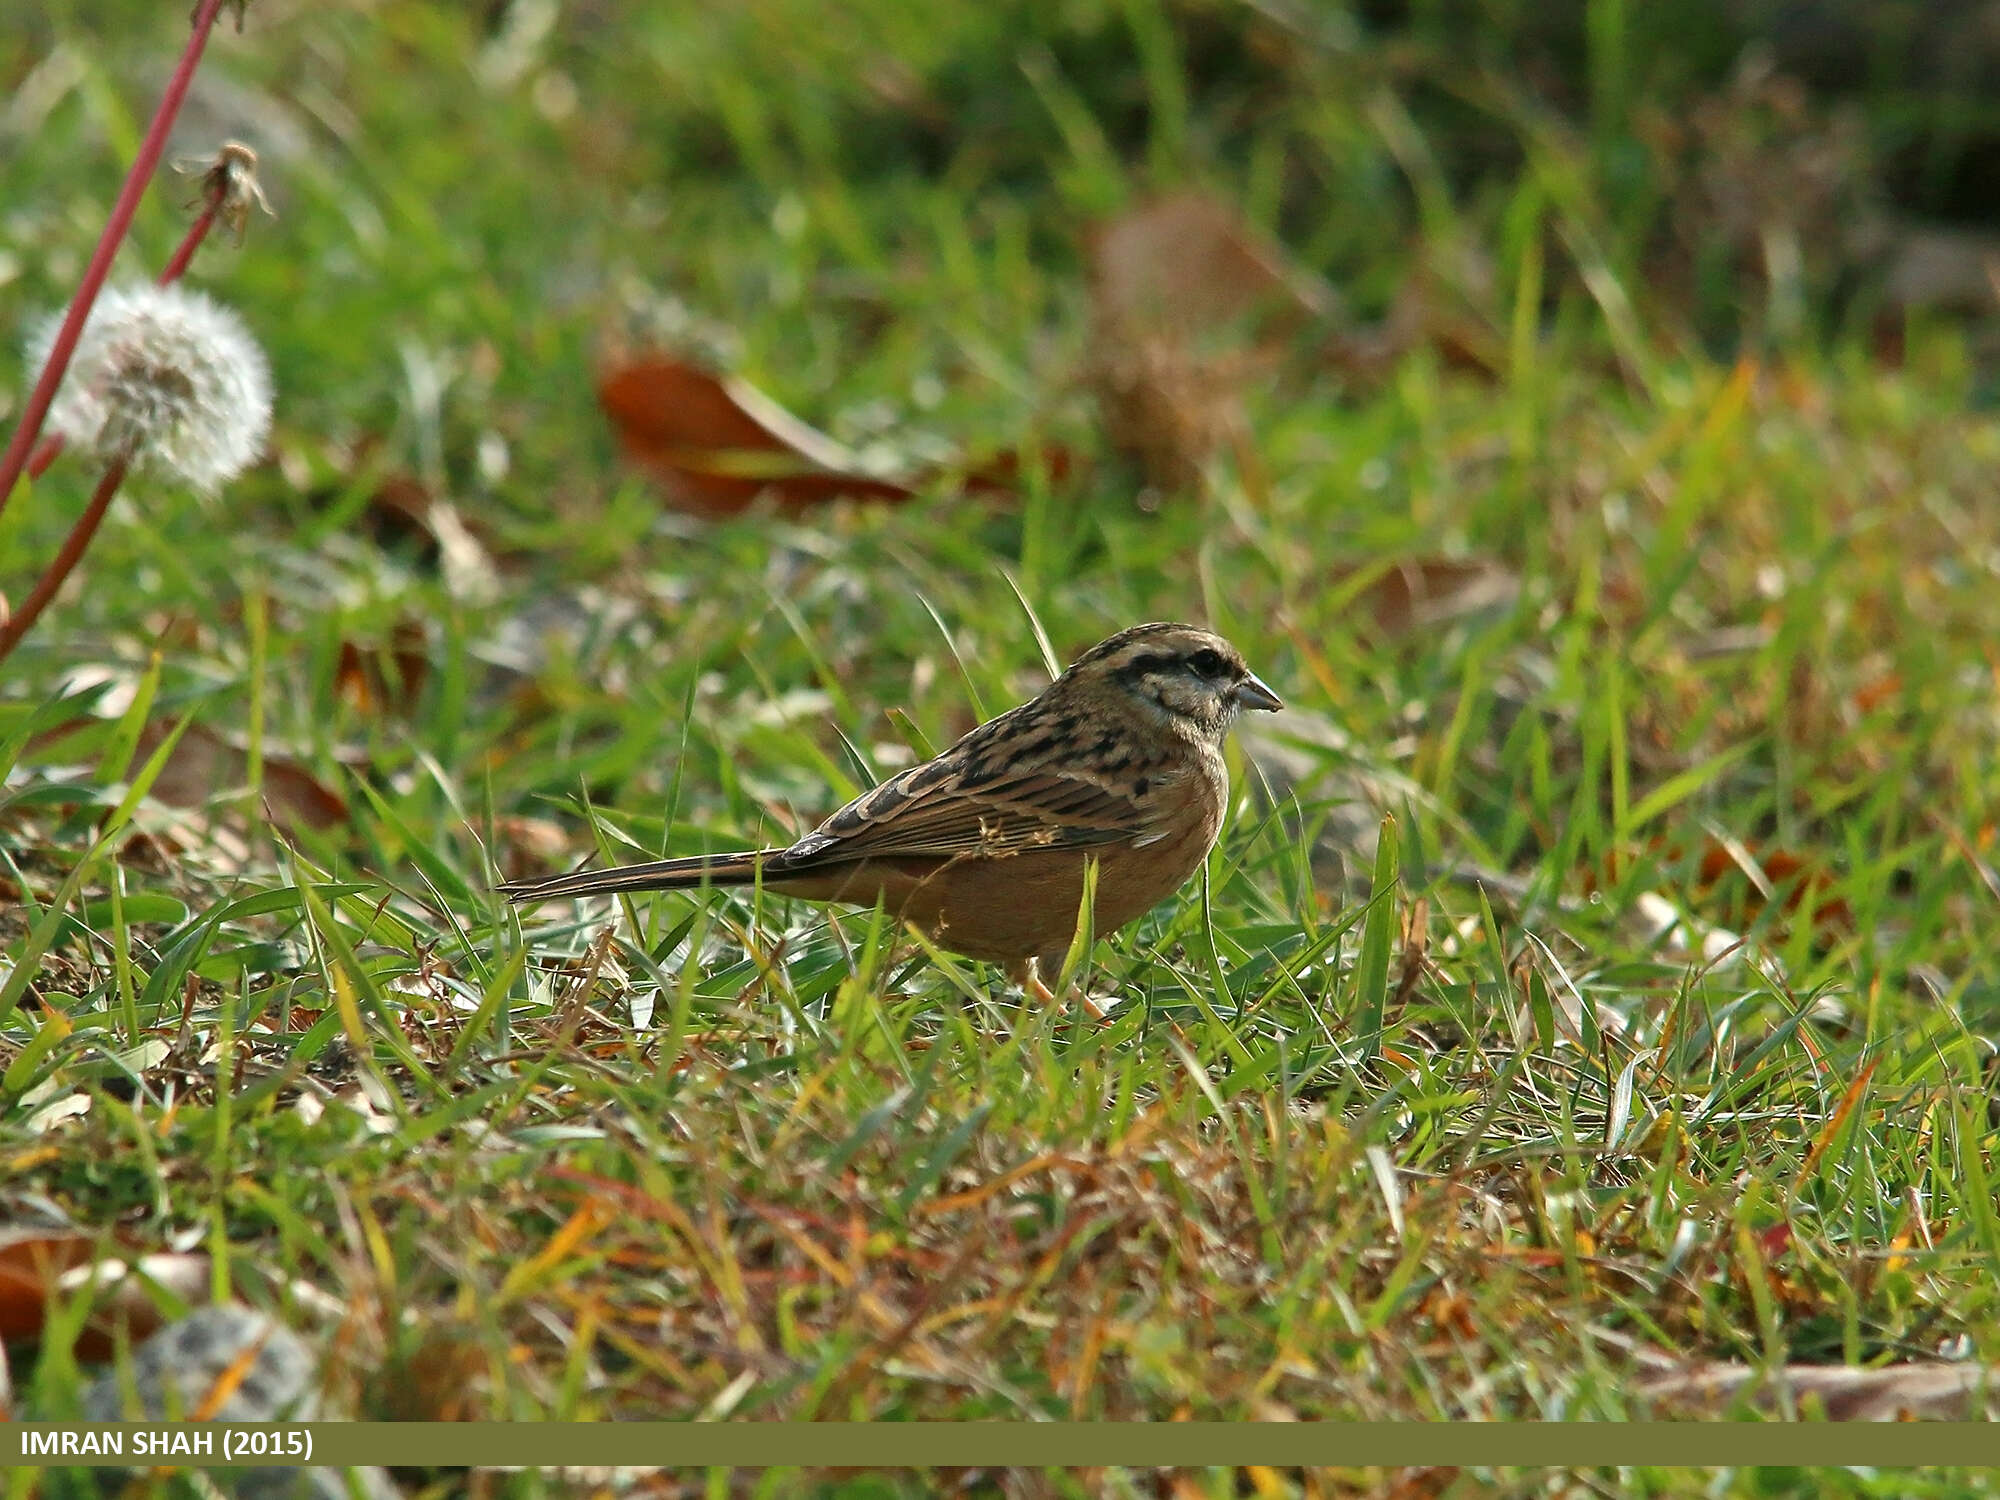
(165, 380)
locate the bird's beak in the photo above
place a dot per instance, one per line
(1251, 693)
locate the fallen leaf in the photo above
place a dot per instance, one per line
(1001, 474)
(1775, 1241)
(715, 443)
(1165, 407)
(41, 1265)
(1419, 593)
(398, 515)
(30, 1263)
(388, 678)
(403, 510)
(204, 763)
(1188, 262)
(525, 848)
(402, 515)
(1420, 1484)
(1809, 876)
(1189, 306)
(47, 1116)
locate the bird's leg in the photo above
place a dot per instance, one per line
(1032, 982)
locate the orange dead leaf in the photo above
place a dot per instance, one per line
(30, 1263)
(1872, 694)
(38, 1264)
(1001, 474)
(385, 679)
(1450, 1312)
(1779, 867)
(715, 443)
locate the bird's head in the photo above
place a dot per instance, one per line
(1178, 675)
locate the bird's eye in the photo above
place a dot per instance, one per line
(1207, 662)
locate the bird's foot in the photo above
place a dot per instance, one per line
(1034, 986)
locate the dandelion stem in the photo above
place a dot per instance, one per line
(191, 242)
(47, 451)
(21, 444)
(17, 625)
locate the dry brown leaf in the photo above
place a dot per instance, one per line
(1873, 694)
(1420, 1484)
(1934, 1390)
(1446, 304)
(1188, 262)
(30, 1263)
(1187, 303)
(715, 443)
(456, 546)
(204, 763)
(385, 679)
(398, 514)
(36, 1264)
(403, 514)
(1417, 593)
(527, 848)
(1807, 873)
(1001, 474)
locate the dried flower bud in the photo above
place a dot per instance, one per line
(229, 186)
(162, 379)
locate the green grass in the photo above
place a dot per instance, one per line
(1441, 1152)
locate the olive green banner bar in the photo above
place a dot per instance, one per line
(995, 1445)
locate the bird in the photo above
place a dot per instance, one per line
(1119, 760)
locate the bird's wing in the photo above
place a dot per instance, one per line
(938, 810)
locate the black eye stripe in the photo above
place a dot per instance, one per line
(1140, 666)
(1204, 662)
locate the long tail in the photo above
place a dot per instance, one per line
(660, 875)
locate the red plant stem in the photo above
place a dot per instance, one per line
(191, 242)
(73, 547)
(143, 166)
(46, 452)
